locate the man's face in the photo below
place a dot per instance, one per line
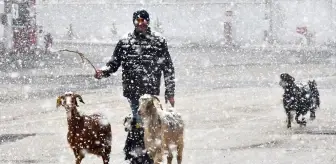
(141, 24)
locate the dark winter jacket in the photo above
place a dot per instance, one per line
(143, 59)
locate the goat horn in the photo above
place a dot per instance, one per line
(156, 98)
(158, 101)
(79, 97)
(59, 101)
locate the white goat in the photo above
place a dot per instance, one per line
(162, 129)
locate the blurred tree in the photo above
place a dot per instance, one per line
(114, 29)
(279, 18)
(70, 34)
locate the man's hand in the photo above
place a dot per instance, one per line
(99, 74)
(171, 100)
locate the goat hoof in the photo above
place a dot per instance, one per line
(289, 126)
(312, 116)
(303, 123)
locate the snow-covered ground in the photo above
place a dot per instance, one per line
(231, 103)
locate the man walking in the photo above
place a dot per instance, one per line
(143, 55)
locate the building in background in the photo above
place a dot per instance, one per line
(18, 25)
(202, 21)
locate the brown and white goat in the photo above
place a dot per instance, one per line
(162, 129)
(86, 133)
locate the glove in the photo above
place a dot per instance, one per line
(171, 100)
(99, 74)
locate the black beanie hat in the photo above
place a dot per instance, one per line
(141, 13)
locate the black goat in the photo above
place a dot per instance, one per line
(299, 99)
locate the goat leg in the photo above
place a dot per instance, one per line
(106, 158)
(312, 114)
(180, 151)
(289, 119)
(158, 156)
(169, 157)
(303, 122)
(297, 118)
(166, 147)
(79, 157)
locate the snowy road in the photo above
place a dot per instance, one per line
(230, 101)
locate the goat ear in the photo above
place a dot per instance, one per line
(76, 103)
(79, 98)
(58, 101)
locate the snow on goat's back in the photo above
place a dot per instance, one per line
(101, 118)
(172, 118)
(169, 116)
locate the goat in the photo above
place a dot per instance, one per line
(298, 99)
(86, 134)
(162, 129)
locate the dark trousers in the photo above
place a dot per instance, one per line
(134, 103)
